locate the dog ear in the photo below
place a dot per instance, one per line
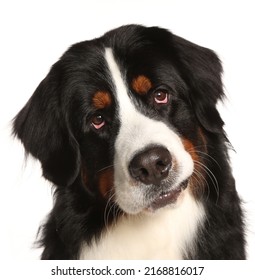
(43, 129)
(201, 69)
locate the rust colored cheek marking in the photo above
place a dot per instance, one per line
(195, 188)
(101, 99)
(201, 145)
(105, 181)
(141, 84)
(198, 178)
(189, 147)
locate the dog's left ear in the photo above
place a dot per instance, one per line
(201, 69)
(43, 128)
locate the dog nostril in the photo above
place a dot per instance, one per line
(144, 172)
(151, 166)
(161, 165)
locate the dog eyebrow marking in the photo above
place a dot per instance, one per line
(141, 84)
(101, 99)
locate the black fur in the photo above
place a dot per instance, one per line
(54, 127)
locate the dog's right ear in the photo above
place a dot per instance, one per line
(43, 128)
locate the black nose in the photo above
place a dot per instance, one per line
(151, 166)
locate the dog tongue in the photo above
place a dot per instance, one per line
(165, 199)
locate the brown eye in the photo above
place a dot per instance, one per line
(161, 97)
(98, 121)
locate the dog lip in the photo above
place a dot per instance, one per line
(166, 198)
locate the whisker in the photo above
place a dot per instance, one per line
(211, 176)
(207, 170)
(199, 179)
(104, 168)
(205, 155)
(108, 209)
(117, 212)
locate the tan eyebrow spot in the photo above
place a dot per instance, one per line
(141, 84)
(102, 99)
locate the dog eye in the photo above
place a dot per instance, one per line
(98, 121)
(161, 97)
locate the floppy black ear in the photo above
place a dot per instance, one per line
(201, 69)
(42, 128)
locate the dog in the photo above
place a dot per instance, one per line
(126, 128)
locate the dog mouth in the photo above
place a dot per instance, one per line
(167, 198)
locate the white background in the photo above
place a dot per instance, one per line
(34, 34)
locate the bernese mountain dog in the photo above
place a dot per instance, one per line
(127, 130)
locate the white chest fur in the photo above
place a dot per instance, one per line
(165, 234)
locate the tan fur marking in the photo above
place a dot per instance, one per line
(195, 188)
(189, 147)
(105, 181)
(102, 99)
(141, 84)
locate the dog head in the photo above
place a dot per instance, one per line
(127, 115)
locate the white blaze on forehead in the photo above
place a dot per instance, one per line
(124, 101)
(137, 132)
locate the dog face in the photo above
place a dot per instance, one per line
(126, 116)
(150, 161)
